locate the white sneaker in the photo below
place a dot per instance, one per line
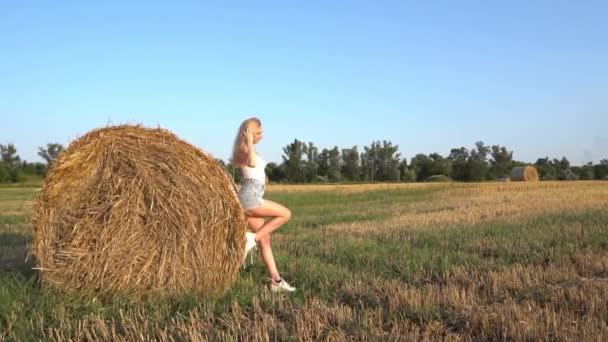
(281, 286)
(250, 243)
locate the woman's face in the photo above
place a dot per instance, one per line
(258, 134)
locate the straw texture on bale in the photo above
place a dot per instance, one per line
(137, 210)
(524, 173)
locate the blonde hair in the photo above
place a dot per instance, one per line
(239, 151)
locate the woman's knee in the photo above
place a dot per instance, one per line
(265, 241)
(255, 223)
(287, 214)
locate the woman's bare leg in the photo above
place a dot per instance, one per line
(255, 223)
(278, 213)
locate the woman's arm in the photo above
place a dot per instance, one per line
(251, 160)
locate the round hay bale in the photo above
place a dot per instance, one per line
(135, 210)
(438, 179)
(526, 173)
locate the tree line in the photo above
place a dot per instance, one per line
(379, 162)
(15, 170)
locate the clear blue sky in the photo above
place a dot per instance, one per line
(426, 75)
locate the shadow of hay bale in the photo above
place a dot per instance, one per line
(15, 254)
(137, 210)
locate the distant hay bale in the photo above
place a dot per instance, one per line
(438, 179)
(504, 180)
(139, 211)
(526, 173)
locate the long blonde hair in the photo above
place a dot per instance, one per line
(239, 152)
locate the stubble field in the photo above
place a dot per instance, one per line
(506, 261)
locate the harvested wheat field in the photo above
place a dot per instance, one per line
(458, 262)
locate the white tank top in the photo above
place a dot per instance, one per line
(256, 172)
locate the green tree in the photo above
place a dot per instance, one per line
(501, 162)
(351, 168)
(460, 167)
(517, 163)
(38, 169)
(17, 175)
(293, 159)
(557, 169)
(546, 169)
(380, 162)
(276, 173)
(234, 172)
(601, 169)
(440, 165)
(585, 172)
(334, 172)
(323, 162)
(407, 173)
(5, 175)
(220, 162)
(402, 168)
(311, 166)
(562, 164)
(478, 162)
(366, 167)
(567, 174)
(51, 152)
(432, 165)
(389, 162)
(9, 156)
(422, 166)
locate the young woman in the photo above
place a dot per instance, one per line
(251, 197)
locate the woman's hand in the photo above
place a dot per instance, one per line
(249, 136)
